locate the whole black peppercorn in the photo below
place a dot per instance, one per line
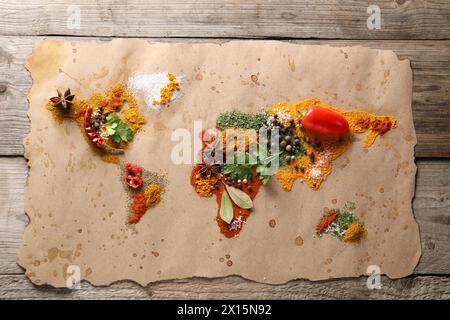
(312, 157)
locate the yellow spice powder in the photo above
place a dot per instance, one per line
(153, 194)
(354, 232)
(167, 91)
(134, 118)
(205, 185)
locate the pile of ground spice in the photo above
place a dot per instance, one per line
(326, 221)
(204, 185)
(168, 90)
(142, 201)
(354, 233)
(316, 165)
(240, 215)
(147, 196)
(118, 98)
(341, 224)
(153, 194)
(138, 207)
(134, 118)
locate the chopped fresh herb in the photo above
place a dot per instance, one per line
(237, 171)
(116, 129)
(241, 120)
(264, 160)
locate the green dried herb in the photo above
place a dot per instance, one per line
(241, 120)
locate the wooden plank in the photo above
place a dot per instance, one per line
(431, 208)
(342, 19)
(431, 92)
(418, 287)
(13, 174)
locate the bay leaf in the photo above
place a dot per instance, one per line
(226, 208)
(240, 198)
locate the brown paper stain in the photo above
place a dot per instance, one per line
(55, 53)
(272, 223)
(291, 62)
(298, 241)
(103, 72)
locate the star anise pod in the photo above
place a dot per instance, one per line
(209, 169)
(63, 102)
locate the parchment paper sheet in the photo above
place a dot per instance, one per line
(77, 206)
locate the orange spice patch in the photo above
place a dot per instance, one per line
(168, 90)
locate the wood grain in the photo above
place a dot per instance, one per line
(431, 92)
(416, 287)
(341, 19)
(431, 208)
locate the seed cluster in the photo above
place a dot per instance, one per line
(290, 143)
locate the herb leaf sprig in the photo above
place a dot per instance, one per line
(117, 130)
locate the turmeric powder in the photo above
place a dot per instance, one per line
(168, 90)
(354, 232)
(205, 184)
(153, 194)
(134, 118)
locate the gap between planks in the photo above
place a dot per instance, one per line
(345, 19)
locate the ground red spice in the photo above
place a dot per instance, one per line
(115, 102)
(326, 221)
(381, 126)
(363, 123)
(251, 189)
(138, 208)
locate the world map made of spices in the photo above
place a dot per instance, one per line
(309, 136)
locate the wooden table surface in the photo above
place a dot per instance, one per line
(415, 29)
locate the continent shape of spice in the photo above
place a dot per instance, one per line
(312, 135)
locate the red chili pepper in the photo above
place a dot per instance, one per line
(133, 181)
(136, 170)
(133, 169)
(92, 135)
(324, 121)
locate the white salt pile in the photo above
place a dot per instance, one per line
(150, 85)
